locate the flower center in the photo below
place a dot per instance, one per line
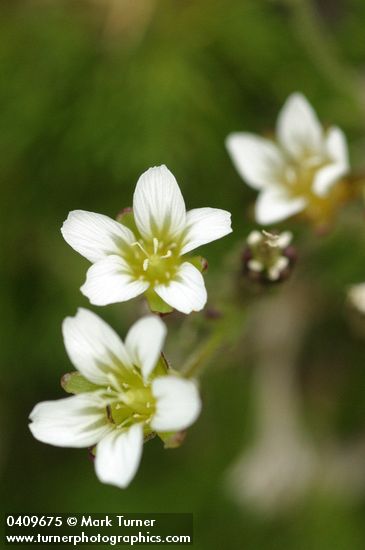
(299, 176)
(129, 402)
(154, 261)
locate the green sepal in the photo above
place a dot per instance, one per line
(148, 435)
(199, 262)
(156, 304)
(74, 382)
(92, 452)
(126, 217)
(162, 366)
(172, 440)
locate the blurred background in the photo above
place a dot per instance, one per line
(92, 93)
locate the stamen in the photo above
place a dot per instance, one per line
(155, 245)
(141, 247)
(167, 255)
(123, 423)
(145, 264)
(113, 379)
(109, 413)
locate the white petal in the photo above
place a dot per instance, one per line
(356, 296)
(95, 235)
(187, 292)
(78, 421)
(158, 204)
(258, 161)
(275, 206)
(298, 128)
(336, 151)
(109, 281)
(118, 456)
(93, 346)
(255, 265)
(254, 238)
(144, 343)
(326, 177)
(204, 225)
(277, 269)
(336, 146)
(178, 403)
(284, 239)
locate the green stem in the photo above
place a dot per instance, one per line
(202, 355)
(226, 333)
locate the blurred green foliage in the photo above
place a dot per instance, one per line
(85, 109)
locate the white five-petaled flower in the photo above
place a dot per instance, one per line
(149, 257)
(126, 395)
(295, 171)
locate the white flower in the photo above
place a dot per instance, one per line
(127, 395)
(297, 170)
(356, 296)
(150, 256)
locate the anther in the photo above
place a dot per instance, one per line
(155, 245)
(141, 247)
(145, 264)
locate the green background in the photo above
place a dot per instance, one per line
(91, 95)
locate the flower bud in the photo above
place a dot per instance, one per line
(268, 257)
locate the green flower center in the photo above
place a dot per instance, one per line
(153, 261)
(129, 399)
